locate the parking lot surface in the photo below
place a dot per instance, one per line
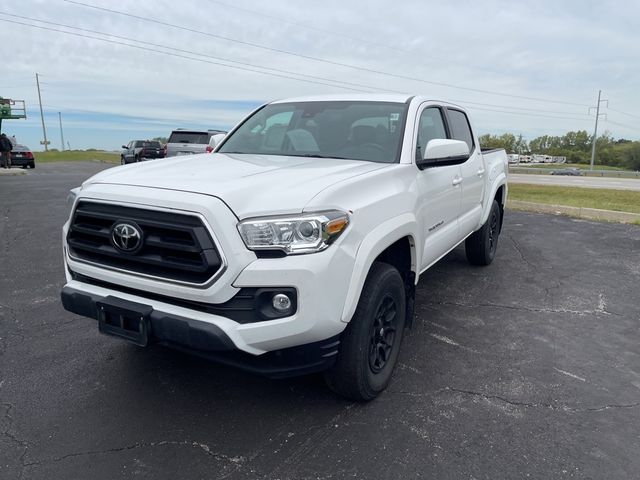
(528, 368)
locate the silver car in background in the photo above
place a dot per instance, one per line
(189, 142)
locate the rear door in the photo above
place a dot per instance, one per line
(472, 172)
(439, 193)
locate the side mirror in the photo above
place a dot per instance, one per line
(440, 151)
(215, 140)
(124, 146)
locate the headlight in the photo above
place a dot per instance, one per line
(306, 233)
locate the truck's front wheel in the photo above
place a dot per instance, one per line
(481, 245)
(371, 342)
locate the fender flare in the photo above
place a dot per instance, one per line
(376, 241)
(499, 181)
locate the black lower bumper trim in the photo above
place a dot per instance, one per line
(209, 341)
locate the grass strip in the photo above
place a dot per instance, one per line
(604, 199)
(77, 156)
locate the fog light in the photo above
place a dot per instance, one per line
(281, 302)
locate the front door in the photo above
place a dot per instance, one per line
(439, 193)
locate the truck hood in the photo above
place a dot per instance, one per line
(251, 185)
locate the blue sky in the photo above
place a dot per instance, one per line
(104, 130)
(528, 68)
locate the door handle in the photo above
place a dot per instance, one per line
(456, 181)
(481, 172)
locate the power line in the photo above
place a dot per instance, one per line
(318, 59)
(191, 52)
(524, 114)
(269, 68)
(623, 113)
(511, 107)
(251, 70)
(517, 108)
(636, 129)
(176, 54)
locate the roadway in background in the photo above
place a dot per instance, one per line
(571, 181)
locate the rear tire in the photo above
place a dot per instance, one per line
(481, 245)
(32, 165)
(370, 344)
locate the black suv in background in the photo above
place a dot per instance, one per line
(139, 150)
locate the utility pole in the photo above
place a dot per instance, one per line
(44, 130)
(595, 130)
(61, 134)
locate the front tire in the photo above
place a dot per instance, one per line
(481, 245)
(370, 344)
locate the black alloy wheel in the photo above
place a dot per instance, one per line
(383, 333)
(370, 345)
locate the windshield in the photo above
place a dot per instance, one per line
(350, 130)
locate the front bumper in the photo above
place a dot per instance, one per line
(211, 342)
(320, 280)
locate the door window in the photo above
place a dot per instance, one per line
(431, 126)
(460, 129)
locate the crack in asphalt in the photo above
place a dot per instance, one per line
(550, 406)
(518, 248)
(189, 443)
(13, 437)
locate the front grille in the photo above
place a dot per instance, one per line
(176, 246)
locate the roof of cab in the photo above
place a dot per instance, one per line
(368, 97)
(365, 97)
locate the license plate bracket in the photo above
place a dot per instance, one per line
(124, 319)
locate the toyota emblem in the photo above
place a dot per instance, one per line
(126, 237)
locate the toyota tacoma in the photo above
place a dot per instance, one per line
(297, 245)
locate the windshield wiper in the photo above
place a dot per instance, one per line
(315, 155)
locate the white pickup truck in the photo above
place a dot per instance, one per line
(297, 245)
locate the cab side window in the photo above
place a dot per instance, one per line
(431, 126)
(460, 129)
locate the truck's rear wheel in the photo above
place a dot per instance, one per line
(371, 342)
(481, 245)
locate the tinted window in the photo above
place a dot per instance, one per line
(431, 126)
(151, 144)
(460, 129)
(189, 137)
(351, 130)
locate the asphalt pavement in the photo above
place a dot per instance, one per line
(577, 181)
(528, 368)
